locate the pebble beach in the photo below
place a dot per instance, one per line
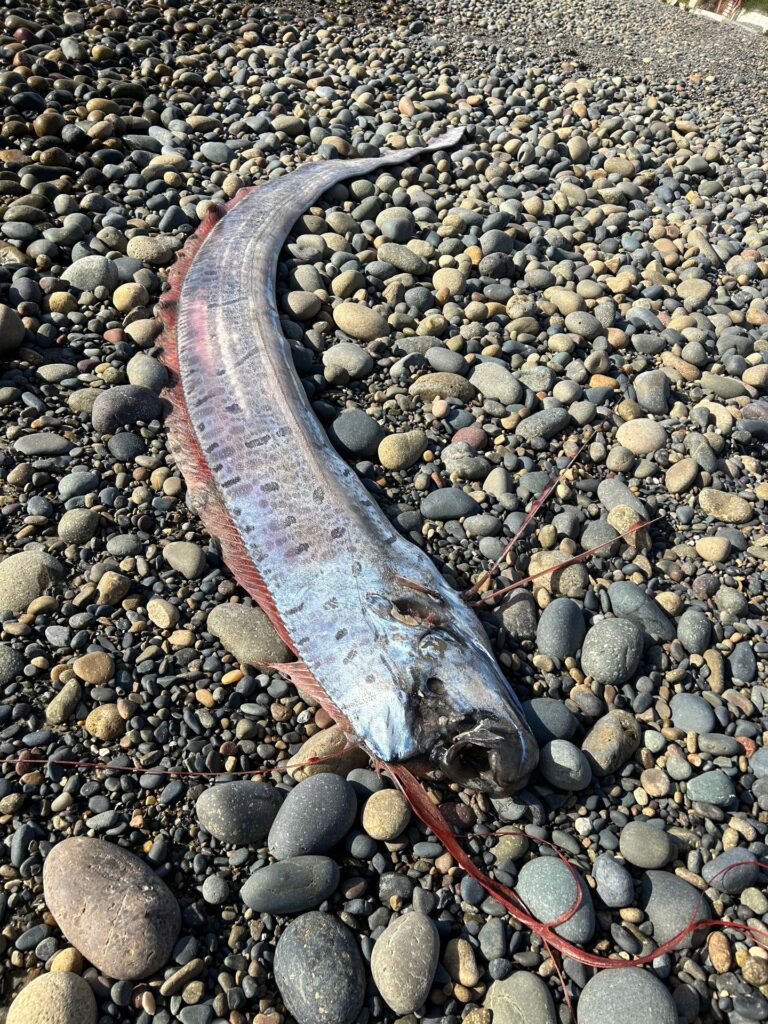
(576, 291)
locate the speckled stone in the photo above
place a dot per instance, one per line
(312, 955)
(404, 961)
(239, 812)
(58, 998)
(111, 906)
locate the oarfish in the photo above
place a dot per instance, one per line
(382, 641)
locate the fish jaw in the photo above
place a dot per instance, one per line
(489, 757)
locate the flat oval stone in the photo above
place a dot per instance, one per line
(404, 961)
(238, 812)
(319, 970)
(291, 886)
(315, 815)
(111, 906)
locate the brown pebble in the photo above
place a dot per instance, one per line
(719, 949)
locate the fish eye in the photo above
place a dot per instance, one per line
(435, 687)
(413, 611)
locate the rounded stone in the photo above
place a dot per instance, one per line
(613, 882)
(645, 845)
(78, 525)
(694, 631)
(430, 386)
(521, 998)
(401, 451)
(641, 436)
(549, 889)
(564, 766)
(728, 508)
(104, 723)
(692, 713)
(549, 719)
(713, 787)
(239, 812)
(57, 998)
(561, 629)
(146, 372)
(128, 296)
(11, 329)
(111, 907)
(360, 321)
(671, 904)
(124, 405)
(91, 272)
(631, 994)
(448, 503)
(495, 381)
(11, 664)
(319, 971)
(546, 424)
(385, 815)
(291, 886)
(185, 557)
(612, 650)
(630, 601)
(611, 742)
(356, 434)
(732, 871)
(404, 961)
(681, 476)
(246, 632)
(95, 668)
(25, 576)
(315, 815)
(154, 249)
(350, 357)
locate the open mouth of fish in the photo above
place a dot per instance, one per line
(486, 757)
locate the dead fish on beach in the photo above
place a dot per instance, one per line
(382, 641)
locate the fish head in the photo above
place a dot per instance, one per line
(460, 713)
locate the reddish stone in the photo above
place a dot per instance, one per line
(114, 335)
(475, 437)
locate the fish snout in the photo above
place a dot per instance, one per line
(490, 757)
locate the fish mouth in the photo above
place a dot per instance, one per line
(490, 757)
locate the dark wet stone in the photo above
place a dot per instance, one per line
(314, 816)
(291, 886)
(238, 812)
(319, 970)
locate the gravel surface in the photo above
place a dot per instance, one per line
(585, 274)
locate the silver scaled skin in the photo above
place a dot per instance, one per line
(396, 653)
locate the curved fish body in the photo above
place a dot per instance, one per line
(381, 640)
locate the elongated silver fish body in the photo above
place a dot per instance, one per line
(395, 650)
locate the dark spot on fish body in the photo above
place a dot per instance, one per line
(337, 532)
(298, 550)
(270, 487)
(349, 656)
(341, 633)
(257, 442)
